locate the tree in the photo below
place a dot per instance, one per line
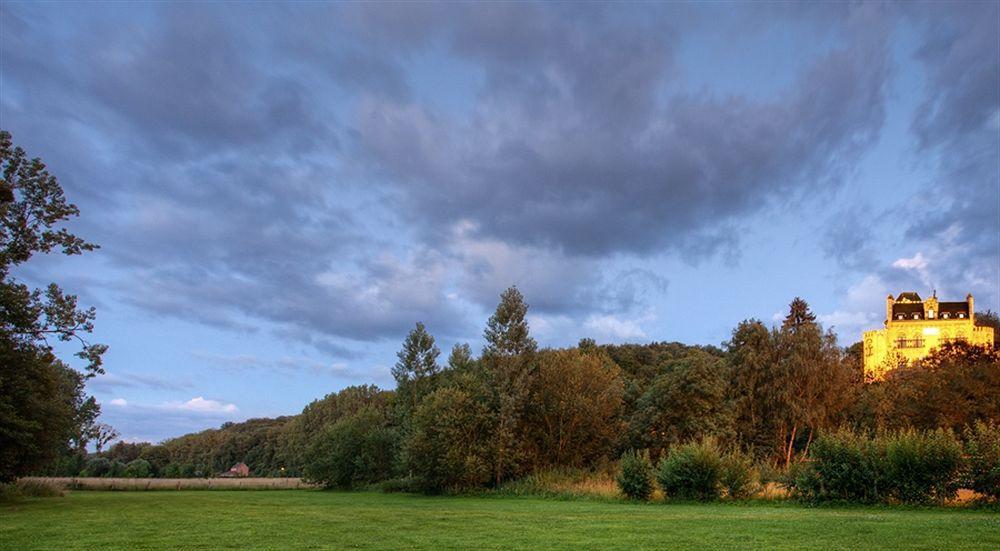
(31, 211)
(357, 450)
(103, 435)
(42, 406)
(460, 358)
(990, 318)
(508, 356)
(417, 364)
(449, 447)
(686, 402)
(574, 413)
(751, 355)
(798, 315)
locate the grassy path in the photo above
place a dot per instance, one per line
(300, 519)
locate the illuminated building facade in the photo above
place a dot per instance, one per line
(914, 327)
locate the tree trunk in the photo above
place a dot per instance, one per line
(791, 443)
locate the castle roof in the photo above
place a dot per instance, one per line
(908, 295)
(953, 307)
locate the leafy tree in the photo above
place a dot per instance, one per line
(687, 401)
(357, 450)
(508, 357)
(137, 468)
(103, 435)
(44, 412)
(42, 408)
(450, 445)
(574, 413)
(751, 356)
(31, 209)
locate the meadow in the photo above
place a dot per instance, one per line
(300, 519)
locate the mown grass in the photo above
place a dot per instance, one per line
(300, 519)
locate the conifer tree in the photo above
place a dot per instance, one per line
(417, 362)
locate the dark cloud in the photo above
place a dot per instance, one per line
(575, 143)
(114, 381)
(280, 166)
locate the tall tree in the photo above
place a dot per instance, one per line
(33, 208)
(416, 365)
(460, 358)
(508, 357)
(751, 358)
(799, 315)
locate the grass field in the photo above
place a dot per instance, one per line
(290, 519)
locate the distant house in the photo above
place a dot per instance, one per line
(239, 470)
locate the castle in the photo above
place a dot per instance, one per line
(913, 327)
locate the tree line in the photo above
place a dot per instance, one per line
(766, 396)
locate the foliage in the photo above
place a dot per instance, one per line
(843, 466)
(97, 467)
(449, 448)
(508, 358)
(685, 402)
(573, 418)
(43, 411)
(416, 367)
(137, 468)
(23, 488)
(982, 449)
(636, 477)
(907, 466)
(739, 477)
(357, 450)
(692, 471)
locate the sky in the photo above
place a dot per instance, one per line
(281, 191)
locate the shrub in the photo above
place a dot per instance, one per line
(842, 466)
(636, 477)
(137, 468)
(692, 471)
(38, 488)
(96, 466)
(923, 467)
(738, 478)
(982, 448)
(910, 467)
(115, 470)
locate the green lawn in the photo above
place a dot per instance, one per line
(310, 519)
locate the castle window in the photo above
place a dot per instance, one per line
(916, 316)
(961, 315)
(900, 316)
(945, 315)
(930, 313)
(910, 343)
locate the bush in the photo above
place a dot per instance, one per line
(636, 477)
(843, 466)
(738, 478)
(692, 471)
(115, 470)
(137, 468)
(909, 467)
(12, 491)
(923, 467)
(982, 448)
(96, 466)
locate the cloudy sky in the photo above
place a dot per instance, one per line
(281, 191)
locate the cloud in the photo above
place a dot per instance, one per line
(200, 405)
(115, 380)
(119, 402)
(242, 362)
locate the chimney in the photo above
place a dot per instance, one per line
(972, 313)
(889, 301)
